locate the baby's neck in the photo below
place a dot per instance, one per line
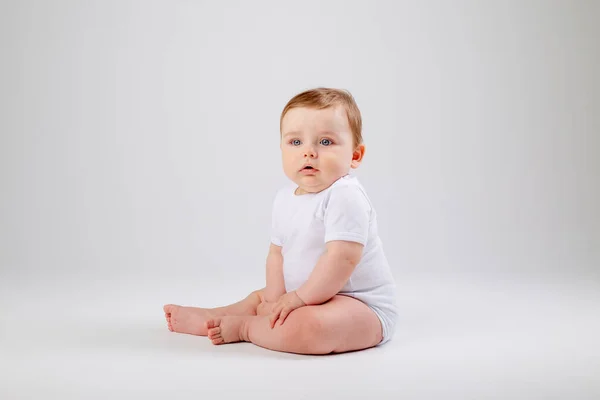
(299, 191)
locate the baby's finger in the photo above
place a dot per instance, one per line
(273, 319)
(284, 313)
(276, 309)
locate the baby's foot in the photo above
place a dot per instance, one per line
(223, 330)
(190, 320)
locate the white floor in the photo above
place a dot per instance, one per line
(461, 338)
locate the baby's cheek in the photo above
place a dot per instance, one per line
(330, 159)
(336, 165)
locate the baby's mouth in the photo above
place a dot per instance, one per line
(309, 168)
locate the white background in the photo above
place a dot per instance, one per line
(139, 157)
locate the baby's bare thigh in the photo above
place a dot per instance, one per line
(349, 322)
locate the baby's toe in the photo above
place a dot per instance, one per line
(214, 332)
(168, 308)
(217, 340)
(212, 323)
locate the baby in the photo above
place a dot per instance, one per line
(329, 288)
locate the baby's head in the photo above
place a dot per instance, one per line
(320, 128)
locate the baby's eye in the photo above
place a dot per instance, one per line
(326, 142)
(295, 142)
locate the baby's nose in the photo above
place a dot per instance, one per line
(310, 152)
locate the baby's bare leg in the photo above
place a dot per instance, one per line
(191, 320)
(342, 324)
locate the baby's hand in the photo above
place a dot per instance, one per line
(284, 306)
(265, 308)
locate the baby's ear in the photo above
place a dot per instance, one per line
(358, 155)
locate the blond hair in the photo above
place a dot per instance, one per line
(321, 98)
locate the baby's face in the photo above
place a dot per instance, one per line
(321, 139)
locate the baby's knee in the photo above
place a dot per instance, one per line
(257, 296)
(264, 308)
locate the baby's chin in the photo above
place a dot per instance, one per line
(313, 184)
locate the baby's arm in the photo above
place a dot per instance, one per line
(275, 284)
(331, 273)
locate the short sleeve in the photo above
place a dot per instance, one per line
(347, 215)
(276, 237)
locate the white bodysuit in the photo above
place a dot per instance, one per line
(303, 224)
